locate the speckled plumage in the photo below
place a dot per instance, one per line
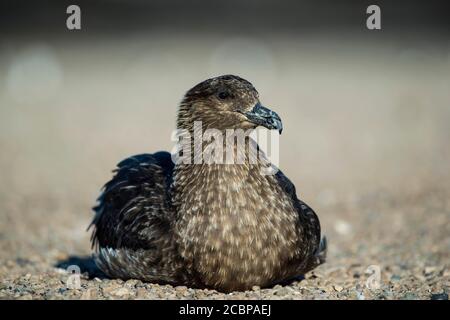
(223, 226)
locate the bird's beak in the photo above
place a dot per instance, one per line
(261, 116)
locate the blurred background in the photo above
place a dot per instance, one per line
(366, 112)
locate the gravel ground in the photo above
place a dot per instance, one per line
(403, 236)
(365, 142)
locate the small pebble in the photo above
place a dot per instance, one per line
(141, 293)
(429, 270)
(338, 288)
(120, 292)
(439, 296)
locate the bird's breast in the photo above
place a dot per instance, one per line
(236, 230)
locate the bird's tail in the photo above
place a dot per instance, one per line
(319, 256)
(321, 253)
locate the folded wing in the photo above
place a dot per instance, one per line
(133, 223)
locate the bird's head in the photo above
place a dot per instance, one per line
(225, 102)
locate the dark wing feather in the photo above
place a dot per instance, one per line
(308, 222)
(135, 210)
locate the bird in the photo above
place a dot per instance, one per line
(211, 225)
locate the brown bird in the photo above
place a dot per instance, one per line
(215, 225)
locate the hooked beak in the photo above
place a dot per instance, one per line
(261, 116)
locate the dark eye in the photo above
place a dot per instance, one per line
(223, 95)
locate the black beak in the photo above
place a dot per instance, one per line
(261, 116)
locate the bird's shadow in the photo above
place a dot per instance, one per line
(86, 264)
(289, 281)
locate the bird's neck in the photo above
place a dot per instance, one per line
(213, 170)
(211, 185)
(216, 146)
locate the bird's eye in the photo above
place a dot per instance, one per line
(223, 95)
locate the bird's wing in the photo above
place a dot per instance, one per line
(308, 221)
(135, 211)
